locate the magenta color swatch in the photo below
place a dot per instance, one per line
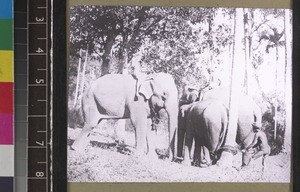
(6, 129)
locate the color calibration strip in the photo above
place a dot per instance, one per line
(6, 97)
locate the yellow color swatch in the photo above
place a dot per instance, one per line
(6, 66)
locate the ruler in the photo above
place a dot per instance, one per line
(20, 94)
(38, 146)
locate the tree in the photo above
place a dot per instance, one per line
(288, 81)
(226, 157)
(273, 38)
(114, 31)
(83, 71)
(78, 80)
(248, 18)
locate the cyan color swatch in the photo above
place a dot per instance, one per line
(6, 9)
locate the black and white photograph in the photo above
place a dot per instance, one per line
(179, 94)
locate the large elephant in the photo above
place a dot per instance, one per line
(206, 123)
(113, 96)
(248, 113)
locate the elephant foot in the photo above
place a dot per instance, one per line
(177, 159)
(171, 158)
(241, 168)
(226, 159)
(120, 142)
(139, 153)
(152, 155)
(205, 164)
(186, 162)
(78, 146)
(77, 149)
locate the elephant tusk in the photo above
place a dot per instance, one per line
(182, 113)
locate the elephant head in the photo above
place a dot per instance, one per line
(161, 93)
(190, 94)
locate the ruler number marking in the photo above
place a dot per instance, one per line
(39, 81)
(39, 50)
(40, 143)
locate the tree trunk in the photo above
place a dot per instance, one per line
(78, 79)
(229, 61)
(226, 157)
(247, 48)
(262, 91)
(210, 47)
(288, 82)
(276, 95)
(230, 49)
(123, 61)
(125, 66)
(106, 56)
(83, 72)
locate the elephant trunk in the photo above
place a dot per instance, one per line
(172, 110)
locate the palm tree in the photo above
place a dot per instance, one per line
(273, 38)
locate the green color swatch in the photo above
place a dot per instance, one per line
(6, 34)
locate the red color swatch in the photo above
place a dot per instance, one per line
(6, 98)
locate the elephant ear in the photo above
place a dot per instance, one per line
(146, 89)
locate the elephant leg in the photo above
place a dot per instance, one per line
(150, 141)
(138, 118)
(197, 151)
(181, 134)
(172, 140)
(187, 148)
(205, 160)
(91, 117)
(82, 140)
(120, 131)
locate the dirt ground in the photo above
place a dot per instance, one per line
(104, 161)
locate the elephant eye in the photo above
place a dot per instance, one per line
(164, 96)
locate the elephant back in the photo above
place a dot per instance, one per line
(248, 111)
(111, 92)
(210, 123)
(114, 83)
